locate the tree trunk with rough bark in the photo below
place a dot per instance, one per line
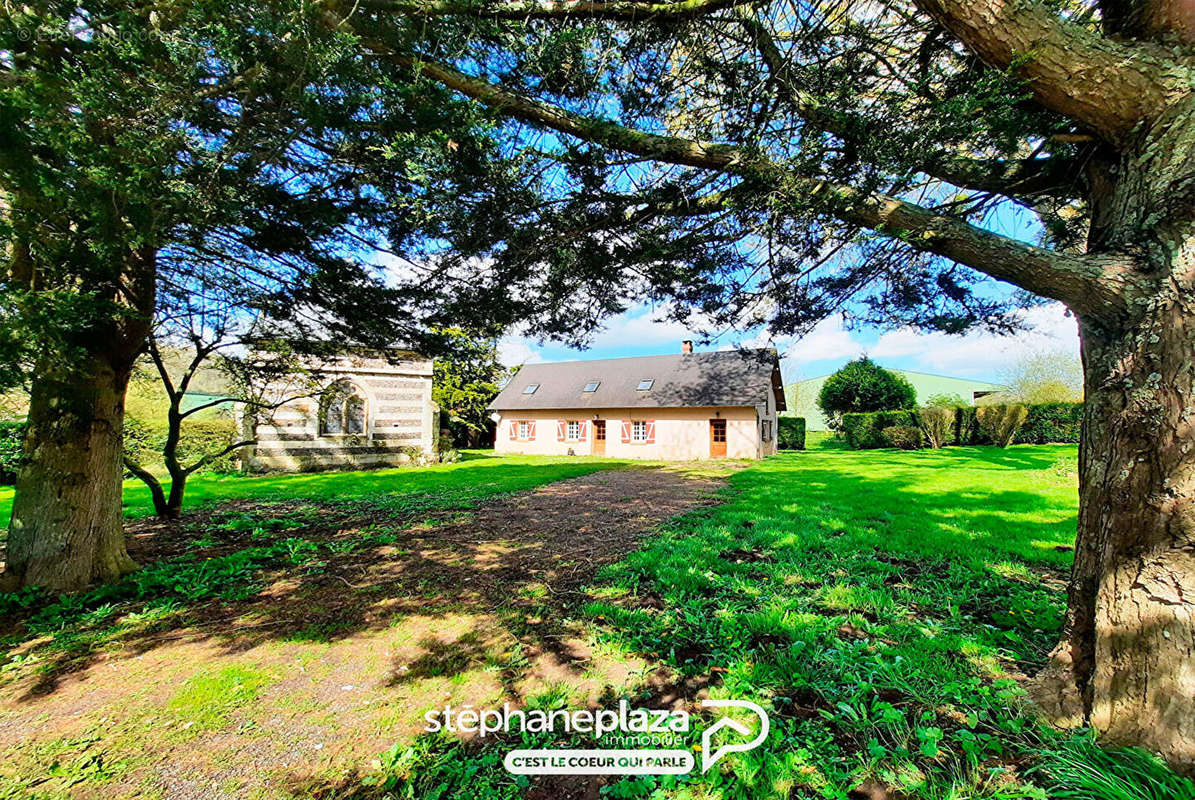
(66, 529)
(1126, 664)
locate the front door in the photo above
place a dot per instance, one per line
(717, 438)
(599, 437)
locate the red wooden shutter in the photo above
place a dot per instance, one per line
(560, 430)
(651, 431)
(514, 430)
(584, 426)
(626, 431)
(531, 430)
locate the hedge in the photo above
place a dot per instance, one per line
(1046, 423)
(790, 434)
(863, 430)
(143, 442)
(1051, 422)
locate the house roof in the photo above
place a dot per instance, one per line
(723, 378)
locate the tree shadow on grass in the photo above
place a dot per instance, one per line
(245, 574)
(821, 539)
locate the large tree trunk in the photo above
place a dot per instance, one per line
(66, 528)
(1127, 664)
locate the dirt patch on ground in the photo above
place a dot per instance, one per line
(334, 660)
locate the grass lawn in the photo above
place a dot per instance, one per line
(885, 608)
(478, 472)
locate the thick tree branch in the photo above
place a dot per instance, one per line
(1020, 180)
(1087, 284)
(1101, 83)
(625, 10)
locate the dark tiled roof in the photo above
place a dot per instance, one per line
(723, 378)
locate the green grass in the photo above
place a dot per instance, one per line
(478, 470)
(875, 603)
(160, 593)
(207, 700)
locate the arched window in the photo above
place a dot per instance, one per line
(342, 410)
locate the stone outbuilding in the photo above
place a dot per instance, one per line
(356, 411)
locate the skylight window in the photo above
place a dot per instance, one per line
(530, 388)
(592, 386)
(645, 384)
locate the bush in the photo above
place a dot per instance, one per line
(1001, 423)
(790, 433)
(938, 424)
(945, 401)
(902, 437)
(862, 386)
(12, 436)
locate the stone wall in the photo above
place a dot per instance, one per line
(398, 418)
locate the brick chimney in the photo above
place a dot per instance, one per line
(686, 346)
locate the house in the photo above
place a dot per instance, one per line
(801, 396)
(672, 407)
(351, 411)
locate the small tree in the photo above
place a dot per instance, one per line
(1001, 422)
(1047, 376)
(464, 383)
(936, 421)
(200, 337)
(862, 386)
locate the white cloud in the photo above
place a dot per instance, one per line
(980, 353)
(828, 340)
(514, 352)
(977, 354)
(641, 327)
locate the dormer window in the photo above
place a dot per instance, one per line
(530, 388)
(592, 386)
(645, 384)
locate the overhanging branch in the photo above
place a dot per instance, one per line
(1087, 284)
(625, 10)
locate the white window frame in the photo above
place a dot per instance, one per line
(524, 430)
(572, 431)
(639, 431)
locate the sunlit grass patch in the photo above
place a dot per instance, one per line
(207, 700)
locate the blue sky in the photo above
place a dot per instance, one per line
(977, 354)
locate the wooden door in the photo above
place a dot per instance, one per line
(717, 438)
(599, 437)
